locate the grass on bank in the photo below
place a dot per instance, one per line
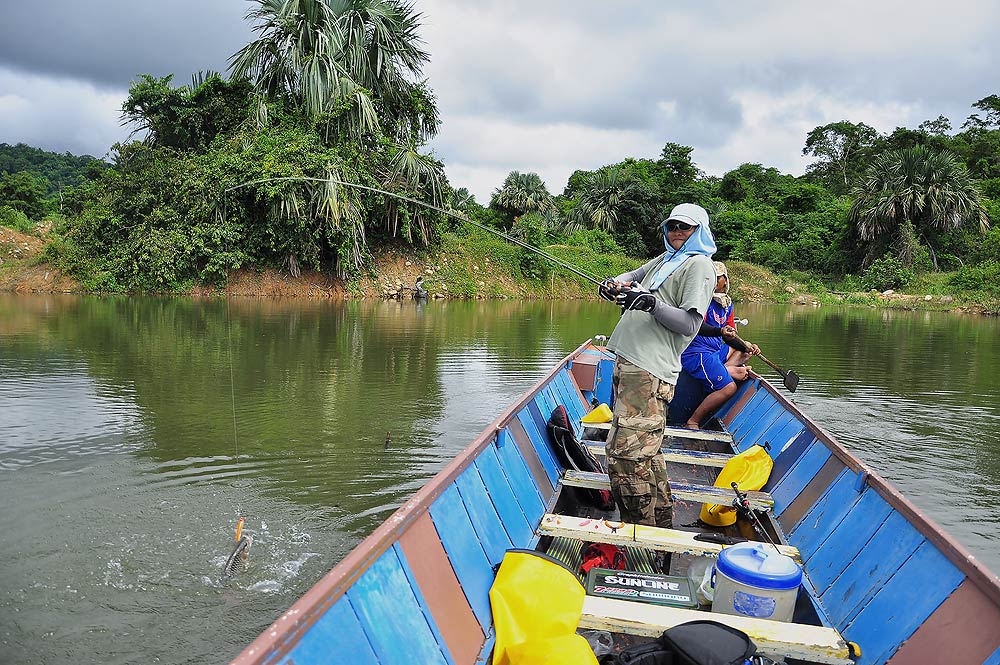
(482, 265)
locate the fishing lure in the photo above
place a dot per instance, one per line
(239, 560)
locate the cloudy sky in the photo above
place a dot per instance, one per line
(550, 86)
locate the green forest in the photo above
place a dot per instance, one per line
(248, 170)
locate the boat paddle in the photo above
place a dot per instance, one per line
(791, 379)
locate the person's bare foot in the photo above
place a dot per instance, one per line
(692, 425)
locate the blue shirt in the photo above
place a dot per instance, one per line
(717, 316)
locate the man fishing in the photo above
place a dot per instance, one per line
(663, 304)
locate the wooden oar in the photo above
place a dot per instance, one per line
(791, 379)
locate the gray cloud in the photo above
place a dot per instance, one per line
(109, 42)
(551, 86)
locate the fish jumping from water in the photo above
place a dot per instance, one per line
(239, 560)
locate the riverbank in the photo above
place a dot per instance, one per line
(458, 272)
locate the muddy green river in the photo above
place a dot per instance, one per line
(135, 432)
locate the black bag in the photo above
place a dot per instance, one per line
(574, 455)
(692, 643)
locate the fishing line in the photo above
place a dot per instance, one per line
(227, 569)
(443, 211)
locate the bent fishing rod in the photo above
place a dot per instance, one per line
(449, 213)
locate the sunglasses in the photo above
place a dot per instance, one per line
(678, 226)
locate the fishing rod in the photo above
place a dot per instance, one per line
(449, 213)
(742, 501)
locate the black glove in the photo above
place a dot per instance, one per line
(636, 298)
(608, 289)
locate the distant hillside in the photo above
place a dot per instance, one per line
(59, 170)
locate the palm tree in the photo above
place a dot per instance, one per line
(521, 193)
(320, 53)
(354, 65)
(931, 190)
(606, 197)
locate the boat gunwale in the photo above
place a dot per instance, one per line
(282, 635)
(986, 580)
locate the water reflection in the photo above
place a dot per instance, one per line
(133, 432)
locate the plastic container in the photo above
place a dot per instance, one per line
(755, 580)
(699, 573)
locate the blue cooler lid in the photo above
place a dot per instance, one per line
(759, 565)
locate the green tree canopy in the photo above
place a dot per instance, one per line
(841, 149)
(25, 192)
(521, 193)
(930, 190)
(355, 59)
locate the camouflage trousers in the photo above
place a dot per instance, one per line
(638, 472)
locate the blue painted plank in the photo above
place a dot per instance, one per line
(804, 470)
(422, 602)
(554, 399)
(553, 396)
(994, 658)
(747, 412)
(778, 431)
(848, 538)
(605, 373)
(907, 599)
(759, 405)
(891, 545)
(336, 633)
(788, 457)
(753, 433)
(472, 567)
(485, 519)
(571, 399)
(529, 416)
(724, 410)
(527, 493)
(825, 515)
(504, 500)
(384, 591)
(780, 437)
(560, 384)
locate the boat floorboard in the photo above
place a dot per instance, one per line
(623, 534)
(679, 455)
(815, 644)
(679, 490)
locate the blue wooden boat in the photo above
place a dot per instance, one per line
(877, 572)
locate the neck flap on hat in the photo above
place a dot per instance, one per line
(701, 242)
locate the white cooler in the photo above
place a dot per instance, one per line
(755, 580)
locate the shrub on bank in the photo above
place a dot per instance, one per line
(887, 272)
(982, 277)
(13, 218)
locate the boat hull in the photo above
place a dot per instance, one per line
(877, 570)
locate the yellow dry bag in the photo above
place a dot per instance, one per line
(750, 470)
(537, 602)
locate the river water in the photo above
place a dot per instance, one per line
(135, 432)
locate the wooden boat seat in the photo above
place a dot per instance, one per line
(623, 534)
(814, 644)
(680, 455)
(677, 433)
(679, 490)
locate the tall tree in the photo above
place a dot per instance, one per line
(25, 192)
(332, 55)
(930, 190)
(841, 149)
(521, 193)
